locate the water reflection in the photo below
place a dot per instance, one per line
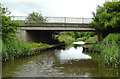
(79, 42)
(72, 54)
(70, 62)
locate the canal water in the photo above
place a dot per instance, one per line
(66, 62)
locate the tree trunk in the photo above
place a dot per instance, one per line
(100, 36)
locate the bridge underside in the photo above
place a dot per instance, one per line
(37, 36)
(58, 29)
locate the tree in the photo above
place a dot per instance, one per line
(107, 18)
(9, 27)
(3, 10)
(36, 17)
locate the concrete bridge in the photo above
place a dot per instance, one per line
(40, 32)
(57, 26)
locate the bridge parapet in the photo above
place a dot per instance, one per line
(57, 19)
(23, 24)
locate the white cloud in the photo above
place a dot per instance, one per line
(59, 8)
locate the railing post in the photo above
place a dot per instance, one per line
(65, 19)
(83, 20)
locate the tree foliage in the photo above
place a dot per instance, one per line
(4, 10)
(9, 27)
(36, 17)
(107, 17)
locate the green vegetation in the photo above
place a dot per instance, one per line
(66, 39)
(80, 36)
(8, 28)
(0, 45)
(36, 17)
(107, 21)
(15, 49)
(92, 39)
(83, 36)
(107, 18)
(109, 50)
(11, 47)
(69, 37)
(36, 45)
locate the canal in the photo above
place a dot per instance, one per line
(63, 62)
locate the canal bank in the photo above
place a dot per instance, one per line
(18, 49)
(66, 62)
(46, 48)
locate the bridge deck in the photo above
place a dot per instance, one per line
(57, 26)
(56, 23)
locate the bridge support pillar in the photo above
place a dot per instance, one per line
(22, 35)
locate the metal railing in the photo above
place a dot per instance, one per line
(57, 19)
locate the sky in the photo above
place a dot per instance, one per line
(53, 8)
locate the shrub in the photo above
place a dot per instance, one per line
(14, 49)
(109, 49)
(66, 38)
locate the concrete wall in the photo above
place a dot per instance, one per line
(22, 35)
(36, 36)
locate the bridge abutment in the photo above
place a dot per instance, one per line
(36, 36)
(22, 35)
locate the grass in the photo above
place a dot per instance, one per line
(12, 49)
(92, 39)
(109, 50)
(36, 45)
